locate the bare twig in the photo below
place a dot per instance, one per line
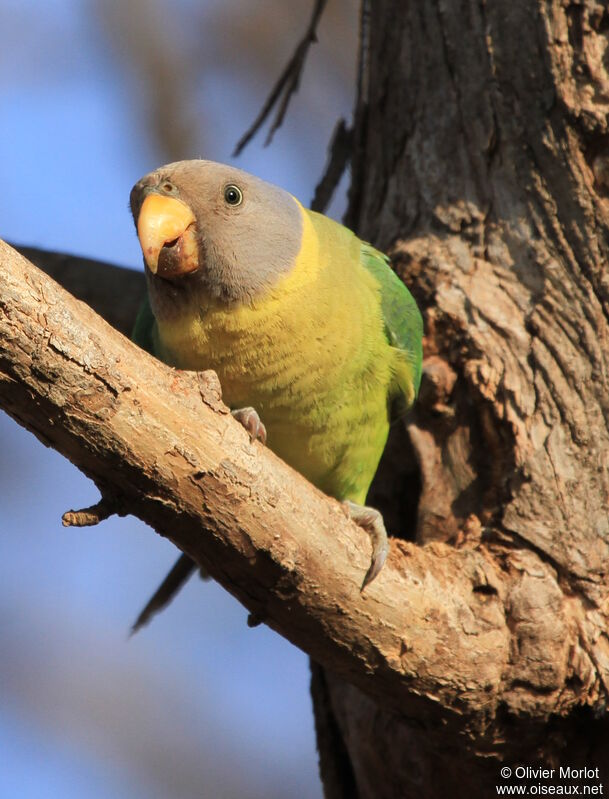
(338, 158)
(88, 517)
(286, 86)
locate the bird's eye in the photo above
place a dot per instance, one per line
(233, 195)
(168, 187)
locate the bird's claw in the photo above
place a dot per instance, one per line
(371, 521)
(249, 418)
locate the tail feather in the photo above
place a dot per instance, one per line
(182, 569)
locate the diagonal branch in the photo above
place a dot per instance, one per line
(428, 637)
(286, 86)
(339, 155)
(113, 291)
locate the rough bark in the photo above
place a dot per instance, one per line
(481, 164)
(114, 292)
(160, 444)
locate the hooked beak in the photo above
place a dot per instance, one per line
(166, 230)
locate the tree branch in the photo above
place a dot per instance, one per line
(444, 634)
(286, 86)
(161, 443)
(339, 154)
(114, 292)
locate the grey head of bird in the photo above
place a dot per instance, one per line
(209, 230)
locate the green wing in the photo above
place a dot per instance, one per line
(143, 327)
(403, 321)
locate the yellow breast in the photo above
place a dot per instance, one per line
(310, 356)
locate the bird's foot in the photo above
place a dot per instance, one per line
(372, 522)
(249, 418)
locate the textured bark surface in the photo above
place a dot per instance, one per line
(481, 165)
(160, 444)
(114, 292)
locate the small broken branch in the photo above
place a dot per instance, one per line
(286, 86)
(338, 157)
(89, 517)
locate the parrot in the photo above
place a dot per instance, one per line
(314, 338)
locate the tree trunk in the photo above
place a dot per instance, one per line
(481, 164)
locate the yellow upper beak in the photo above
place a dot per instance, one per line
(163, 220)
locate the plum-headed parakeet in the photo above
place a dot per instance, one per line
(311, 333)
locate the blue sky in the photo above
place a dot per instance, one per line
(197, 704)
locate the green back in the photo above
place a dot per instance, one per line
(403, 321)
